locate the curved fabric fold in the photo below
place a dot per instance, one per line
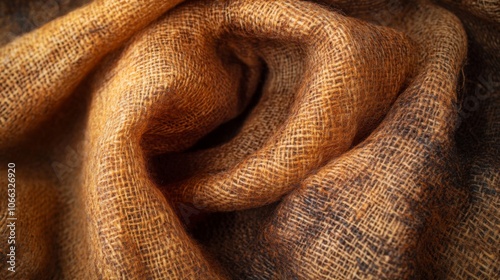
(262, 139)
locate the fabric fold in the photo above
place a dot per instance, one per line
(242, 139)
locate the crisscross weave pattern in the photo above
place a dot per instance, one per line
(241, 139)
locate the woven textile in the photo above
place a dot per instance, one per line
(250, 139)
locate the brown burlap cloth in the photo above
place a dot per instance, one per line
(240, 139)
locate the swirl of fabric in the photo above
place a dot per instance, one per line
(250, 139)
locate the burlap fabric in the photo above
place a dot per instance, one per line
(242, 139)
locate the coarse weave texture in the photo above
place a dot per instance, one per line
(251, 139)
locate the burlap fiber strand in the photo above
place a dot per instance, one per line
(241, 139)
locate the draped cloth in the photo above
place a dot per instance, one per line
(240, 139)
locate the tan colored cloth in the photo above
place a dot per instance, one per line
(241, 139)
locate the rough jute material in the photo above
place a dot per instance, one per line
(241, 139)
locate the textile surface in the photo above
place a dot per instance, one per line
(240, 139)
